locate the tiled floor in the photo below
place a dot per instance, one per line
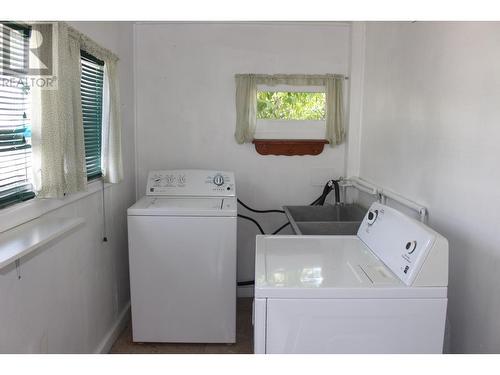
(244, 339)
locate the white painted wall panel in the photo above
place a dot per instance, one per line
(430, 132)
(73, 291)
(186, 111)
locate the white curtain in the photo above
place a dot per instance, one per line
(246, 101)
(57, 124)
(335, 131)
(112, 165)
(290, 79)
(246, 108)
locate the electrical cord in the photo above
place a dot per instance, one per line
(260, 228)
(252, 282)
(280, 228)
(253, 221)
(320, 201)
(259, 211)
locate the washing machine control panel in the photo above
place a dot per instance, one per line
(191, 182)
(399, 241)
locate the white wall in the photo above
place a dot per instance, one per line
(73, 291)
(186, 112)
(430, 132)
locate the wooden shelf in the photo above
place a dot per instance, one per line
(289, 147)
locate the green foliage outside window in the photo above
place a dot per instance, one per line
(290, 105)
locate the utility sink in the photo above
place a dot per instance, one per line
(343, 219)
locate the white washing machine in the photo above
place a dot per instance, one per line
(182, 253)
(382, 291)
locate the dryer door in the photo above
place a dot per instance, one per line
(355, 325)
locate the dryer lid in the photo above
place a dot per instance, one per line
(326, 267)
(317, 262)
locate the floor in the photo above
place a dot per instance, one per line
(243, 345)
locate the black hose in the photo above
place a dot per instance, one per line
(337, 191)
(252, 282)
(260, 228)
(243, 283)
(330, 185)
(315, 202)
(253, 221)
(326, 190)
(280, 228)
(260, 211)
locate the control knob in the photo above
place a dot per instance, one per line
(372, 216)
(411, 246)
(218, 180)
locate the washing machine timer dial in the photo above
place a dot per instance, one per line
(411, 246)
(372, 216)
(218, 180)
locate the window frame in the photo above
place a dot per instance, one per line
(271, 129)
(88, 56)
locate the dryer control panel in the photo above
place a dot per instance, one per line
(191, 182)
(414, 252)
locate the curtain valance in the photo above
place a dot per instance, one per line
(89, 45)
(292, 79)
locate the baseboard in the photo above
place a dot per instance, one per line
(110, 337)
(244, 291)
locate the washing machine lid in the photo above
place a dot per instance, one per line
(326, 267)
(183, 206)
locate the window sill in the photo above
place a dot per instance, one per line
(24, 212)
(28, 237)
(289, 147)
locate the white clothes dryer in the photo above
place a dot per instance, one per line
(382, 291)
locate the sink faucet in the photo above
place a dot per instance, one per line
(330, 185)
(337, 191)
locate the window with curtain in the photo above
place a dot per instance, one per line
(301, 107)
(15, 129)
(290, 112)
(91, 87)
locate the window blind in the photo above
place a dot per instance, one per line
(15, 130)
(91, 86)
